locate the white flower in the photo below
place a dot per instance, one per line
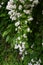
(20, 53)
(40, 60)
(20, 7)
(32, 45)
(42, 43)
(23, 46)
(32, 60)
(26, 11)
(15, 29)
(30, 63)
(13, 18)
(30, 19)
(18, 15)
(35, 1)
(25, 22)
(2, 3)
(9, 12)
(19, 46)
(24, 35)
(14, 6)
(28, 29)
(32, 5)
(18, 38)
(22, 57)
(21, 50)
(17, 23)
(16, 46)
(25, 52)
(10, 5)
(11, 1)
(23, 42)
(37, 62)
(19, 27)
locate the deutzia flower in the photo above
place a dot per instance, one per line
(16, 46)
(32, 60)
(26, 11)
(22, 57)
(28, 29)
(17, 23)
(25, 22)
(20, 7)
(2, 3)
(15, 29)
(24, 35)
(13, 18)
(30, 19)
(42, 43)
(35, 1)
(18, 38)
(26, 53)
(30, 63)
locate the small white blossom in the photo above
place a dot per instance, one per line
(17, 23)
(20, 7)
(23, 46)
(25, 22)
(2, 3)
(19, 27)
(23, 42)
(32, 5)
(28, 29)
(25, 52)
(42, 43)
(13, 18)
(22, 57)
(35, 1)
(18, 15)
(30, 19)
(32, 45)
(40, 60)
(15, 29)
(16, 46)
(20, 53)
(26, 11)
(32, 60)
(18, 38)
(14, 6)
(24, 35)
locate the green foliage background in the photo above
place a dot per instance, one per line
(8, 55)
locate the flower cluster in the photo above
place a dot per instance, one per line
(33, 62)
(21, 47)
(20, 13)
